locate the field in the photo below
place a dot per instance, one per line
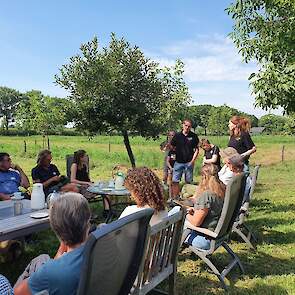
(269, 270)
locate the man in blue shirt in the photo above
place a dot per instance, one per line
(70, 219)
(11, 177)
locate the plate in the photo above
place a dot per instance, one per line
(107, 189)
(39, 215)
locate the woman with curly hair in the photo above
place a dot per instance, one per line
(208, 205)
(147, 192)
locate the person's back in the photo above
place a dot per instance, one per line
(59, 276)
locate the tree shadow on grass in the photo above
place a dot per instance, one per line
(268, 206)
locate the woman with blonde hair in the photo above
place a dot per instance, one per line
(208, 206)
(147, 192)
(240, 139)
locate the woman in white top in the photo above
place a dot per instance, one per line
(147, 192)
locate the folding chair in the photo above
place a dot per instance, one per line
(239, 226)
(219, 237)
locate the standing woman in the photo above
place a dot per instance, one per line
(240, 138)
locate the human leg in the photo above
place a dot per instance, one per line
(188, 173)
(176, 177)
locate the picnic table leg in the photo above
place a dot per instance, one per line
(110, 213)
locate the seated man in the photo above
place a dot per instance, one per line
(48, 174)
(11, 177)
(70, 220)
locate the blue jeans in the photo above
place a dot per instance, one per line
(179, 169)
(198, 241)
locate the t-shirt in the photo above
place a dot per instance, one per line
(44, 174)
(172, 157)
(212, 202)
(242, 144)
(156, 218)
(185, 146)
(225, 174)
(214, 151)
(59, 276)
(82, 174)
(9, 181)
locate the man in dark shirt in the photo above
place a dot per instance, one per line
(186, 147)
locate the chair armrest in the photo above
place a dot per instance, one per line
(202, 230)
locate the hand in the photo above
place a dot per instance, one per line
(55, 178)
(61, 250)
(190, 211)
(4, 197)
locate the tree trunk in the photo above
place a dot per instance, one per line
(6, 122)
(128, 147)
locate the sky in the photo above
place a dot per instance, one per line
(38, 37)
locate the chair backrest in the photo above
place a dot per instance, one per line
(113, 255)
(160, 258)
(253, 181)
(231, 206)
(69, 162)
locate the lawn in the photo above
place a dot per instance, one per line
(269, 270)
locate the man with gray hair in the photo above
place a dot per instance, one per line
(70, 220)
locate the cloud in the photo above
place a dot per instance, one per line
(207, 58)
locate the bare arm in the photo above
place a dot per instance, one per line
(22, 288)
(49, 181)
(198, 217)
(211, 161)
(249, 152)
(24, 178)
(74, 174)
(4, 197)
(196, 153)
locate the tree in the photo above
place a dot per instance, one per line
(9, 101)
(42, 113)
(273, 124)
(119, 88)
(264, 30)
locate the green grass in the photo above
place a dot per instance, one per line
(269, 270)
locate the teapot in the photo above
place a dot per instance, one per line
(37, 197)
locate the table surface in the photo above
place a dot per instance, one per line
(14, 226)
(102, 188)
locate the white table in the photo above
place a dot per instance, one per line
(12, 227)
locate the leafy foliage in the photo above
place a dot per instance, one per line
(275, 124)
(9, 101)
(119, 88)
(42, 113)
(264, 30)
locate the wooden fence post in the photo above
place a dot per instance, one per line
(283, 153)
(25, 146)
(109, 147)
(48, 143)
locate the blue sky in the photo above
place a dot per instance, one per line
(37, 37)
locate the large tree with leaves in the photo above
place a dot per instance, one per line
(9, 101)
(42, 113)
(118, 88)
(264, 30)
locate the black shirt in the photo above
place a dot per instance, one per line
(214, 151)
(43, 174)
(185, 146)
(172, 157)
(242, 144)
(82, 174)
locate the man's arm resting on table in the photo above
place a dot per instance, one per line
(4, 197)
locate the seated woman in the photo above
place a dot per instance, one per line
(211, 153)
(79, 169)
(70, 220)
(48, 174)
(208, 205)
(147, 192)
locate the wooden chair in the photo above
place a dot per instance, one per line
(239, 226)
(219, 237)
(160, 259)
(113, 255)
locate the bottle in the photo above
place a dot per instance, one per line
(51, 197)
(37, 197)
(119, 181)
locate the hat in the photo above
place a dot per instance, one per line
(236, 160)
(228, 152)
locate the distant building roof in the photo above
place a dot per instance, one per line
(256, 130)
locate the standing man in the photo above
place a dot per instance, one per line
(186, 146)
